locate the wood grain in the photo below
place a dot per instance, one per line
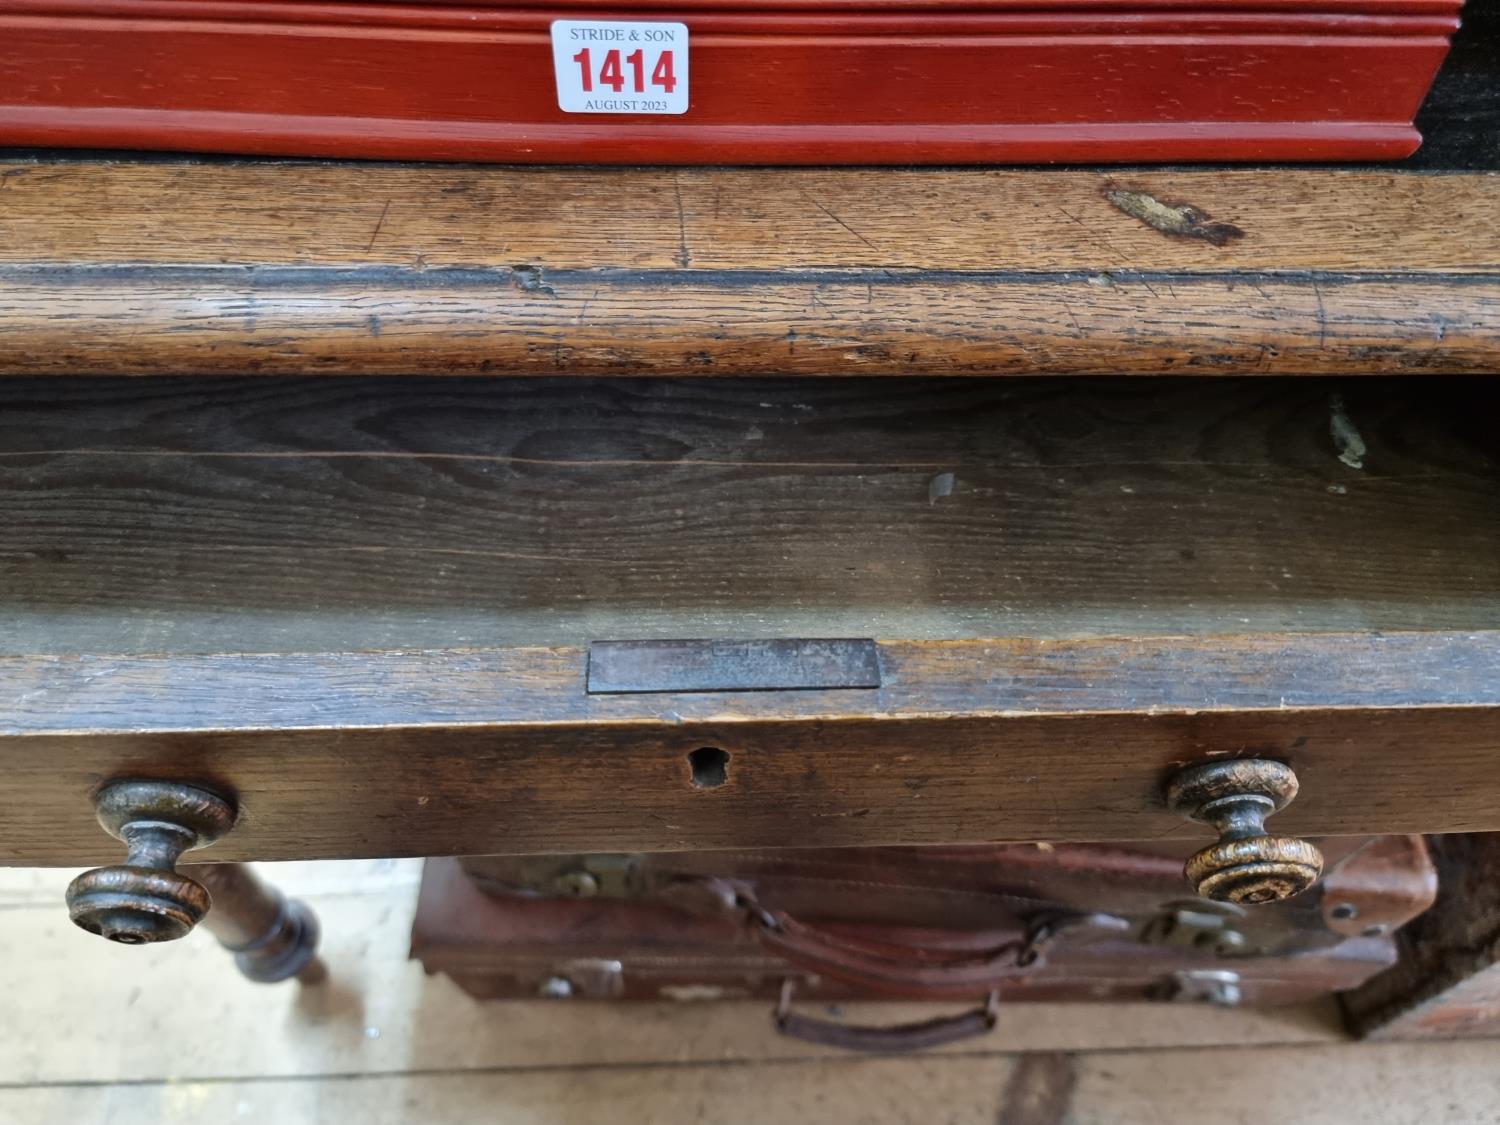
(1080, 586)
(291, 269)
(399, 321)
(250, 516)
(994, 679)
(267, 214)
(380, 756)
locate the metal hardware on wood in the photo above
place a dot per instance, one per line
(1201, 986)
(588, 978)
(576, 884)
(145, 899)
(1247, 866)
(1203, 930)
(782, 664)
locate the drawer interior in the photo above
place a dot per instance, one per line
(389, 590)
(266, 515)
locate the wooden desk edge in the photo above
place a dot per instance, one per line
(290, 269)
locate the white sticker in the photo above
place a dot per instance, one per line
(615, 66)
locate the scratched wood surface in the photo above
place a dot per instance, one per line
(305, 269)
(382, 1043)
(269, 213)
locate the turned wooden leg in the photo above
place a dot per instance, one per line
(273, 938)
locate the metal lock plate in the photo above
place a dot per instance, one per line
(783, 664)
(1201, 925)
(1200, 986)
(584, 979)
(597, 876)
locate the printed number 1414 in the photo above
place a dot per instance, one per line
(613, 69)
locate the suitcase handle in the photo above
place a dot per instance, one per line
(890, 1039)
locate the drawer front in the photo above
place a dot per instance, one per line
(469, 752)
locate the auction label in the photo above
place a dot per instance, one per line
(614, 66)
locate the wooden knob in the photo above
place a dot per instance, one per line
(1246, 866)
(145, 899)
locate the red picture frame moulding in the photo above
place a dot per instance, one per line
(779, 82)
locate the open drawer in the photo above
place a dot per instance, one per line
(366, 608)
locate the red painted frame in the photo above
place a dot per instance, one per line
(940, 81)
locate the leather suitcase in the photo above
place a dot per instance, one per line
(991, 924)
(1371, 885)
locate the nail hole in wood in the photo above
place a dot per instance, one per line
(710, 767)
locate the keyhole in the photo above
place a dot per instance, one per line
(710, 767)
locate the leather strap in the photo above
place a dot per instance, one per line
(900, 968)
(891, 1039)
(884, 966)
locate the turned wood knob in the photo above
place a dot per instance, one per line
(145, 899)
(1247, 866)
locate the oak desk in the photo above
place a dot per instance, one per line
(362, 607)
